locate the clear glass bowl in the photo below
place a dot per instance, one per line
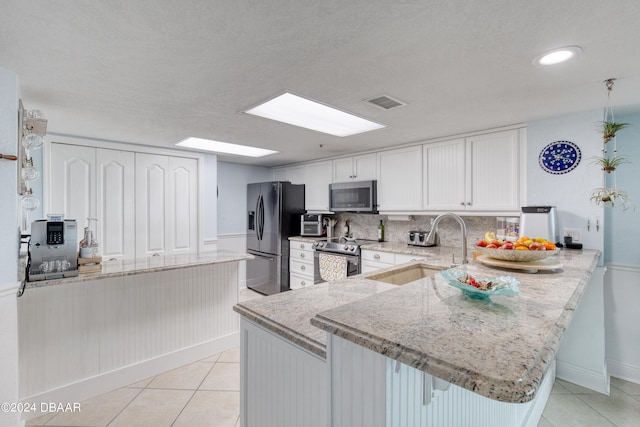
(503, 285)
(514, 255)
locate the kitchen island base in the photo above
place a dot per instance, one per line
(369, 389)
(82, 338)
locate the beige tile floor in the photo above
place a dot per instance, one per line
(206, 394)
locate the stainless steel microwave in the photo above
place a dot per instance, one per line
(354, 196)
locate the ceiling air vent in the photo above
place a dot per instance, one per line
(385, 102)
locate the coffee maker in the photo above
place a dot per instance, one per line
(53, 250)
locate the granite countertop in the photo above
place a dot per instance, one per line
(129, 267)
(499, 348)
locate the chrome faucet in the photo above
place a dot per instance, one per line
(433, 233)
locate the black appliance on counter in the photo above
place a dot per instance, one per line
(274, 210)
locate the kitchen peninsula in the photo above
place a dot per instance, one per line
(414, 354)
(85, 335)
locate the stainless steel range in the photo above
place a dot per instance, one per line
(342, 247)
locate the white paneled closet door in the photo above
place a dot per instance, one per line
(152, 208)
(115, 179)
(183, 205)
(72, 183)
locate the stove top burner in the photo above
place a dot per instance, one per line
(341, 245)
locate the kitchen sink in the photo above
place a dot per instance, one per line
(404, 275)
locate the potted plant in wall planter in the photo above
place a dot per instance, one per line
(609, 129)
(609, 197)
(609, 164)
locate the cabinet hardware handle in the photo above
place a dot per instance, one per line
(112, 260)
(461, 203)
(301, 245)
(303, 283)
(301, 255)
(156, 254)
(302, 267)
(468, 203)
(376, 256)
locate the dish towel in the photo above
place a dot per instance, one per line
(332, 267)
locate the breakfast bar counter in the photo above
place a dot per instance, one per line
(499, 348)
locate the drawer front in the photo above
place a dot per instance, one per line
(377, 256)
(369, 266)
(301, 255)
(402, 258)
(303, 246)
(301, 267)
(297, 281)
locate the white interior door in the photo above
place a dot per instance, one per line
(183, 205)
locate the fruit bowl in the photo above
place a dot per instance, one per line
(503, 285)
(515, 255)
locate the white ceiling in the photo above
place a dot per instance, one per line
(154, 72)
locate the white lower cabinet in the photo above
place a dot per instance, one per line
(301, 267)
(374, 260)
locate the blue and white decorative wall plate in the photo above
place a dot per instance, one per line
(559, 157)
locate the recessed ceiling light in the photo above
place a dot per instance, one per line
(224, 147)
(298, 111)
(557, 56)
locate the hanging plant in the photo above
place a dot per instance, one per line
(610, 197)
(609, 129)
(609, 164)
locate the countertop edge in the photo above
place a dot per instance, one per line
(521, 390)
(282, 331)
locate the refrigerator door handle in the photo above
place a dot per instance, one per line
(261, 226)
(257, 223)
(260, 255)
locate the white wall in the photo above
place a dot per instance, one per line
(570, 192)
(210, 202)
(232, 200)
(622, 283)
(9, 248)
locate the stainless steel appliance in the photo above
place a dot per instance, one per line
(354, 196)
(313, 225)
(273, 216)
(53, 250)
(540, 221)
(343, 247)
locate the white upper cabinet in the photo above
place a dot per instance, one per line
(317, 180)
(115, 199)
(279, 174)
(445, 175)
(357, 168)
(400, 179)
(152, 207)
(478, 173)
(183, 202)
(493, 183)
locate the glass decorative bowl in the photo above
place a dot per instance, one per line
(515, 255)
(503, 285)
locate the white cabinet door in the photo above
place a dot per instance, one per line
(316, 190)
(444, 174)
(72, 180)
(182, 198)
(357, 168)
(343, 169)
(115, 199)
(152, 208)
(494, 182)
(296, 174)
(400, 179)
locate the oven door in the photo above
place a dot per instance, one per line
(353, 265)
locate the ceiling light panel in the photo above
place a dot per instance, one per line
(298, 111)
(224, 147)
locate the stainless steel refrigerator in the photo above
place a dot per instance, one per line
(274, 210)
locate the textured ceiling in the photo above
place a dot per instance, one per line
(154, 72)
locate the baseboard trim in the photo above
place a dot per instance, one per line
(596, 381)
(624, 371)
(100, 384)
(10, 289)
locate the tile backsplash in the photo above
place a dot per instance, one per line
(365, 226)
